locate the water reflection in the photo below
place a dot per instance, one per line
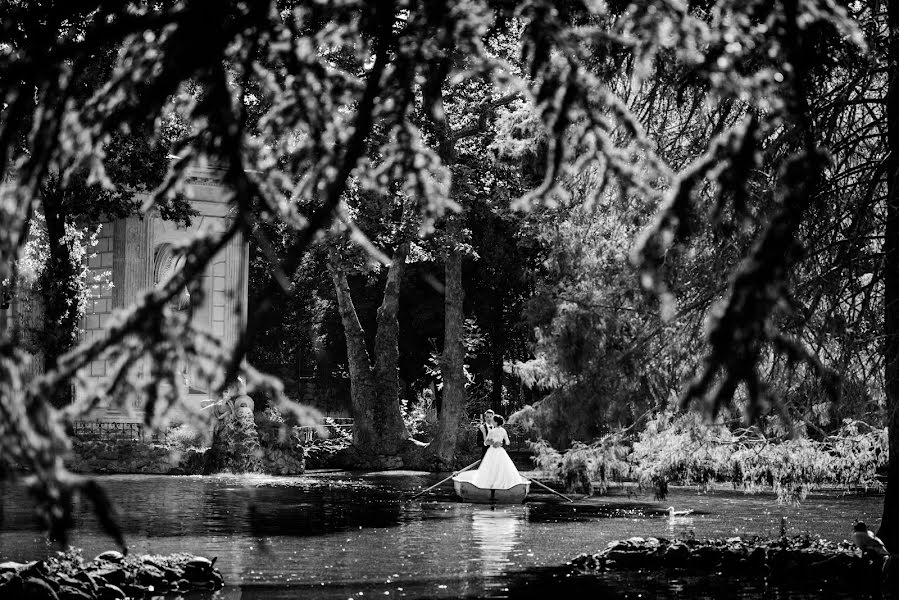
(680, 526)
(341, 535)
(496, 532)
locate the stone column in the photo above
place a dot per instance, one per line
(132, 263)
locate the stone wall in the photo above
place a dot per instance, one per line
(280, 460)
(100, 303)
(277, 457)
(280, 455)
(97, 456)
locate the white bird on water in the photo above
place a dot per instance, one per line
(678, 513)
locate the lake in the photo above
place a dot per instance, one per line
(353, 535)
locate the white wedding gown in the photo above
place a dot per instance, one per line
(497, 471)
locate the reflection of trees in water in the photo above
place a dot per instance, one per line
(162, 506)
(496, 533)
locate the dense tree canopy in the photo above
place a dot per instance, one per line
(669, 180)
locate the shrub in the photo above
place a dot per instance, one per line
(182, 436)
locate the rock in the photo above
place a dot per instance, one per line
(112, 574)
(676, 555)
(135, 590)
(150, 575)
(586, 562)
(111, 592)
(706, 558)
(200, 562)
(37, 569)
(634, 541)
(734, 558)
(12, 587)
(38, 589)
(67, 592)
(149, 560)
(64, 579)
(90, 582)
(758, 556)
(12, 566)
(196, 575)
(132, 577)
(111, 556)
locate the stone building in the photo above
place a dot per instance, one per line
(137, 252)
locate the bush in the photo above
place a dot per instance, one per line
(416, 418)
(686, 449)
(182, 437)
(584, 466)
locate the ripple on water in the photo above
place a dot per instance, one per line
(334, 535)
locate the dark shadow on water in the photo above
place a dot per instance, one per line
(560, 583)
(559, 512)
(331, 536)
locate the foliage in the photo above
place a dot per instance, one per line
(472, 340)
(584, 467)
(686, 449)
(416, 417)
(34, 269)
(183, 436)
(716, 116)
(235, 447)
(321, 451)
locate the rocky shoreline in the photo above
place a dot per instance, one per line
(109, 576)
(788, 557)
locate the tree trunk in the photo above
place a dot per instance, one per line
(452, 363)
(362, 382)
(59, 290)
(378, 424)
(889, 525)
(387, 356)
(498, 338)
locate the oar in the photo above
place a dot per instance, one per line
(445, 480)
(546, 487)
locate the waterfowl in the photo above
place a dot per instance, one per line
(678, 513)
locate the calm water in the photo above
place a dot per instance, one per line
(341, 535)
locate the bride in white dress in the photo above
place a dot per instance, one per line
(497, 471)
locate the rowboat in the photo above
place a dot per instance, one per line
(469, 492)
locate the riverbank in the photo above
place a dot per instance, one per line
(797, 556)
(109, 576)
(798, 560)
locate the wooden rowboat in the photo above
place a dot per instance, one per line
(469, 492)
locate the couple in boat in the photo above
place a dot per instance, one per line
(496, 471)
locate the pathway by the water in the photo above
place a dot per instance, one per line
(342, 535)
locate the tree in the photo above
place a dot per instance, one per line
(303, 103)
(71, 202)
(378, 427)
(791, 175)
(477, 103)
(166, 50)
(889, 525)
